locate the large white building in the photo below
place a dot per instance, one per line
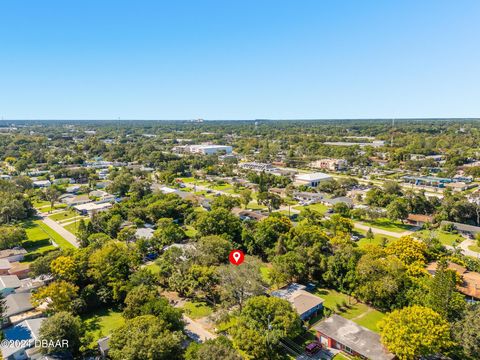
(329, 164)
(204, 149)
(312, 179)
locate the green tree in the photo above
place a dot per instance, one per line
(466, 332)
(442, 295)
(219, 222)
(245, 197)
(60, 327)
(290, 267)
(263, 321)
(111, 265)
(225, 201)
(415, 331)
(238, 283)
(211, 250)
(145, 300)
(11, 236)
(168, 232)
(145, 338)
(52, 195)
(59, 294)
(217, 349)
(397, 209)
(270, 200)
(381, 280)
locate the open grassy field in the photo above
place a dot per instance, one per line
(102, 322)
(475, 248)
(56, 237)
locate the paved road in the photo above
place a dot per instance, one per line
(67, 235)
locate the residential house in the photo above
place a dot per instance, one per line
(419, 219)
(341, 199)
(23, 337)
(22, 270)
(4, 266)
(145, 233)
(306, 304)
(336, 332)
(91, 208)
(470, 285)
(103, 346)
(312, 179)
(8, 284)
(42, 183)
(17, 303)
(464, 229)
(15, 254)
(244, 214)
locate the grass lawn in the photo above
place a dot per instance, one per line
(63, 215)
(44, 206)
(197, 309)
(377, 240)
(341, 356)
(39, 236)
(475, 248)
(102, 322)
(221, 187)
(320, 208)
(356, 311)
(386, 224)
(73, 227)
(56, 237)
(253, 205)
(187, 179)
(444, 237)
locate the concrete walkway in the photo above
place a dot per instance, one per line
(466, 251)
(67, 235)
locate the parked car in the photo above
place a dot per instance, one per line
(313, 348)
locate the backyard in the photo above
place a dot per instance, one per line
(350, 308)
(101, 323)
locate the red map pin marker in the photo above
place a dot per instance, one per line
(236, 257)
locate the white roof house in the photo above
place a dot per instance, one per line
(312, 179)
(92, 207)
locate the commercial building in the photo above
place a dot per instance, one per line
(336, 332)
(312, 179)
(204, 149)
(329, 164)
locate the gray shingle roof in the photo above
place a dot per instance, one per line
(356, 337)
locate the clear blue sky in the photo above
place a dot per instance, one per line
(239, 59)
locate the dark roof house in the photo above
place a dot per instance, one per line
(339, 333)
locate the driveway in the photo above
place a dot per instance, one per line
(196, 331)
(466, 251)
(67, 235)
